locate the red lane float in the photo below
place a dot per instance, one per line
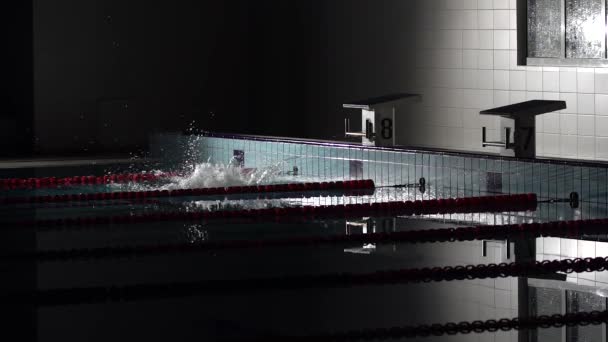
(151, 200)
(137, 195)
(53, 182)
(522, 202)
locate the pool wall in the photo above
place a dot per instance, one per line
(448, 174)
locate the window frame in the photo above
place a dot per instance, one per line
(563, 61)
(564, 287)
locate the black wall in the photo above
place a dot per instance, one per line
(107, 73)
(16, 79)
(110, 72)
(310, 57)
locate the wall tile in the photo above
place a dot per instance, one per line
(450, 20)
(540, 127)
(552, 123)
(534, 80)
(469, 98)
(501, 59)
(550, 79)
(485, 59)
(501, 39)
(550, 96)
(601, 104)
(601, 81)
(513, 40)
(502, 19)
(470, 39)
(567, 80)
(485, 4)
(569, 146)
(450, 39)
(601, 126)
(501, 79)
(470, 118)
(586, 249)
(586, 125)
(501, 98)
(601, 150)
(469, 59)
(586, 104)
(470, 78)
(568, 124)
(485, 79)
(569, 248)
(472, 139)
(551, 144)
(501, 4)
(454, 4)
(517, 80)
(513, 19)
(486, 19)
(534, 95)
(450, 59)
(586, 147)
(585, 80)
(470, 4)
(517, 96)
(571, 102)
(486, 39)
(455, 138)
(470, 20)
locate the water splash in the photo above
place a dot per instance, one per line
(198, 171)
(196, 233)
(207, 175)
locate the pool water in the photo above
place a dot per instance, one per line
(247, 313)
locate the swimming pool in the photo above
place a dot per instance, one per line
(167, 265)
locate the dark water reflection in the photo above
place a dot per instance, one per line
(218, 315)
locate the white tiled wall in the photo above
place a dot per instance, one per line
(466, 61)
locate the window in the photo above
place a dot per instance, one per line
(553, 297)
(585, 302)
(545, 301)
(566, 32)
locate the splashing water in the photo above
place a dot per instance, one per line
(196, 172)
(207, 175)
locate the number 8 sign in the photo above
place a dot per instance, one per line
(385, 126)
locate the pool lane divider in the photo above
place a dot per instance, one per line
(53, 182)
(101, 294)
(352, 185)
(564, 229)
(502, 203)
(527, 322)
(215, 198)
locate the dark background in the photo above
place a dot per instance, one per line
(98, 76)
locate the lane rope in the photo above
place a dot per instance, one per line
(139, 195)
(451, 328)
(54, 182)
(90, 295)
